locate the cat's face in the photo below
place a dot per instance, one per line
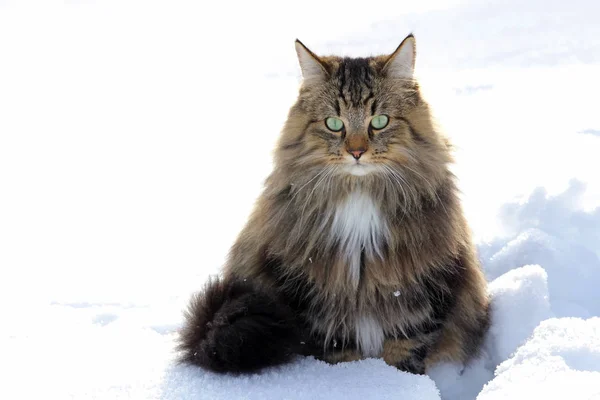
(356, 115)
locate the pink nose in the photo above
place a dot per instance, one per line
(356, 153)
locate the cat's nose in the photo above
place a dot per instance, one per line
(356, 145)
(356, 153)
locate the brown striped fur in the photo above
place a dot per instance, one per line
(419, 280)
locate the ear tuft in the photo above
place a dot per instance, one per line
(311, 66)
(401, 63)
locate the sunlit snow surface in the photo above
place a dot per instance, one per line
(135, 136)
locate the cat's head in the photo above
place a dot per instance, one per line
(362, 117)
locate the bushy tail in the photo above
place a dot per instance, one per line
(234, 326)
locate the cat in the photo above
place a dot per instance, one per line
(358, 246)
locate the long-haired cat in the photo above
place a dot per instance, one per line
(358, 246)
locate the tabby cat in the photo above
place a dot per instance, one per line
(357, 246)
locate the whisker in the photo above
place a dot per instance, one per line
(329, 172)
(290, 201)
(403, 182)
(431, 187)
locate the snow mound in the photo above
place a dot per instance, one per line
(519, 303)
(554, 232)
(561, 360)
(127, 357)
(545, 266)
(306, 378)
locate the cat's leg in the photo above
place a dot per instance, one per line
(332, 351)
(235, 326)
(465, 326)
(462, 335)
(344, 355)
(406, 354)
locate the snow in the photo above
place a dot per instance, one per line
(557, 234)
(561, 360)
(307, 378)
(511, 322)
(526, 298)
(126, 359)
(126, 172)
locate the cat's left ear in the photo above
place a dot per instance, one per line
(401, 64)
(311, 66)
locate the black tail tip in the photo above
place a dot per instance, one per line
(236, 326)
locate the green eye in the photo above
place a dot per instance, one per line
(379, 121)
(334, 124)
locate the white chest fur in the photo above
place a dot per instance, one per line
(359, 227)
(369, 336)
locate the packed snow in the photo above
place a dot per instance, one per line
(134, 137)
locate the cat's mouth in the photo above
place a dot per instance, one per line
(359, 168)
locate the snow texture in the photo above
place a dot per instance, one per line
(561, 360)
(124, 360)
(306, 378)
(123, 126)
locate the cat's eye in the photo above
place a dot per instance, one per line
(334, 124)
(379, 121)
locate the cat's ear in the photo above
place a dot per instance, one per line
(312, 68)
(401, 64)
